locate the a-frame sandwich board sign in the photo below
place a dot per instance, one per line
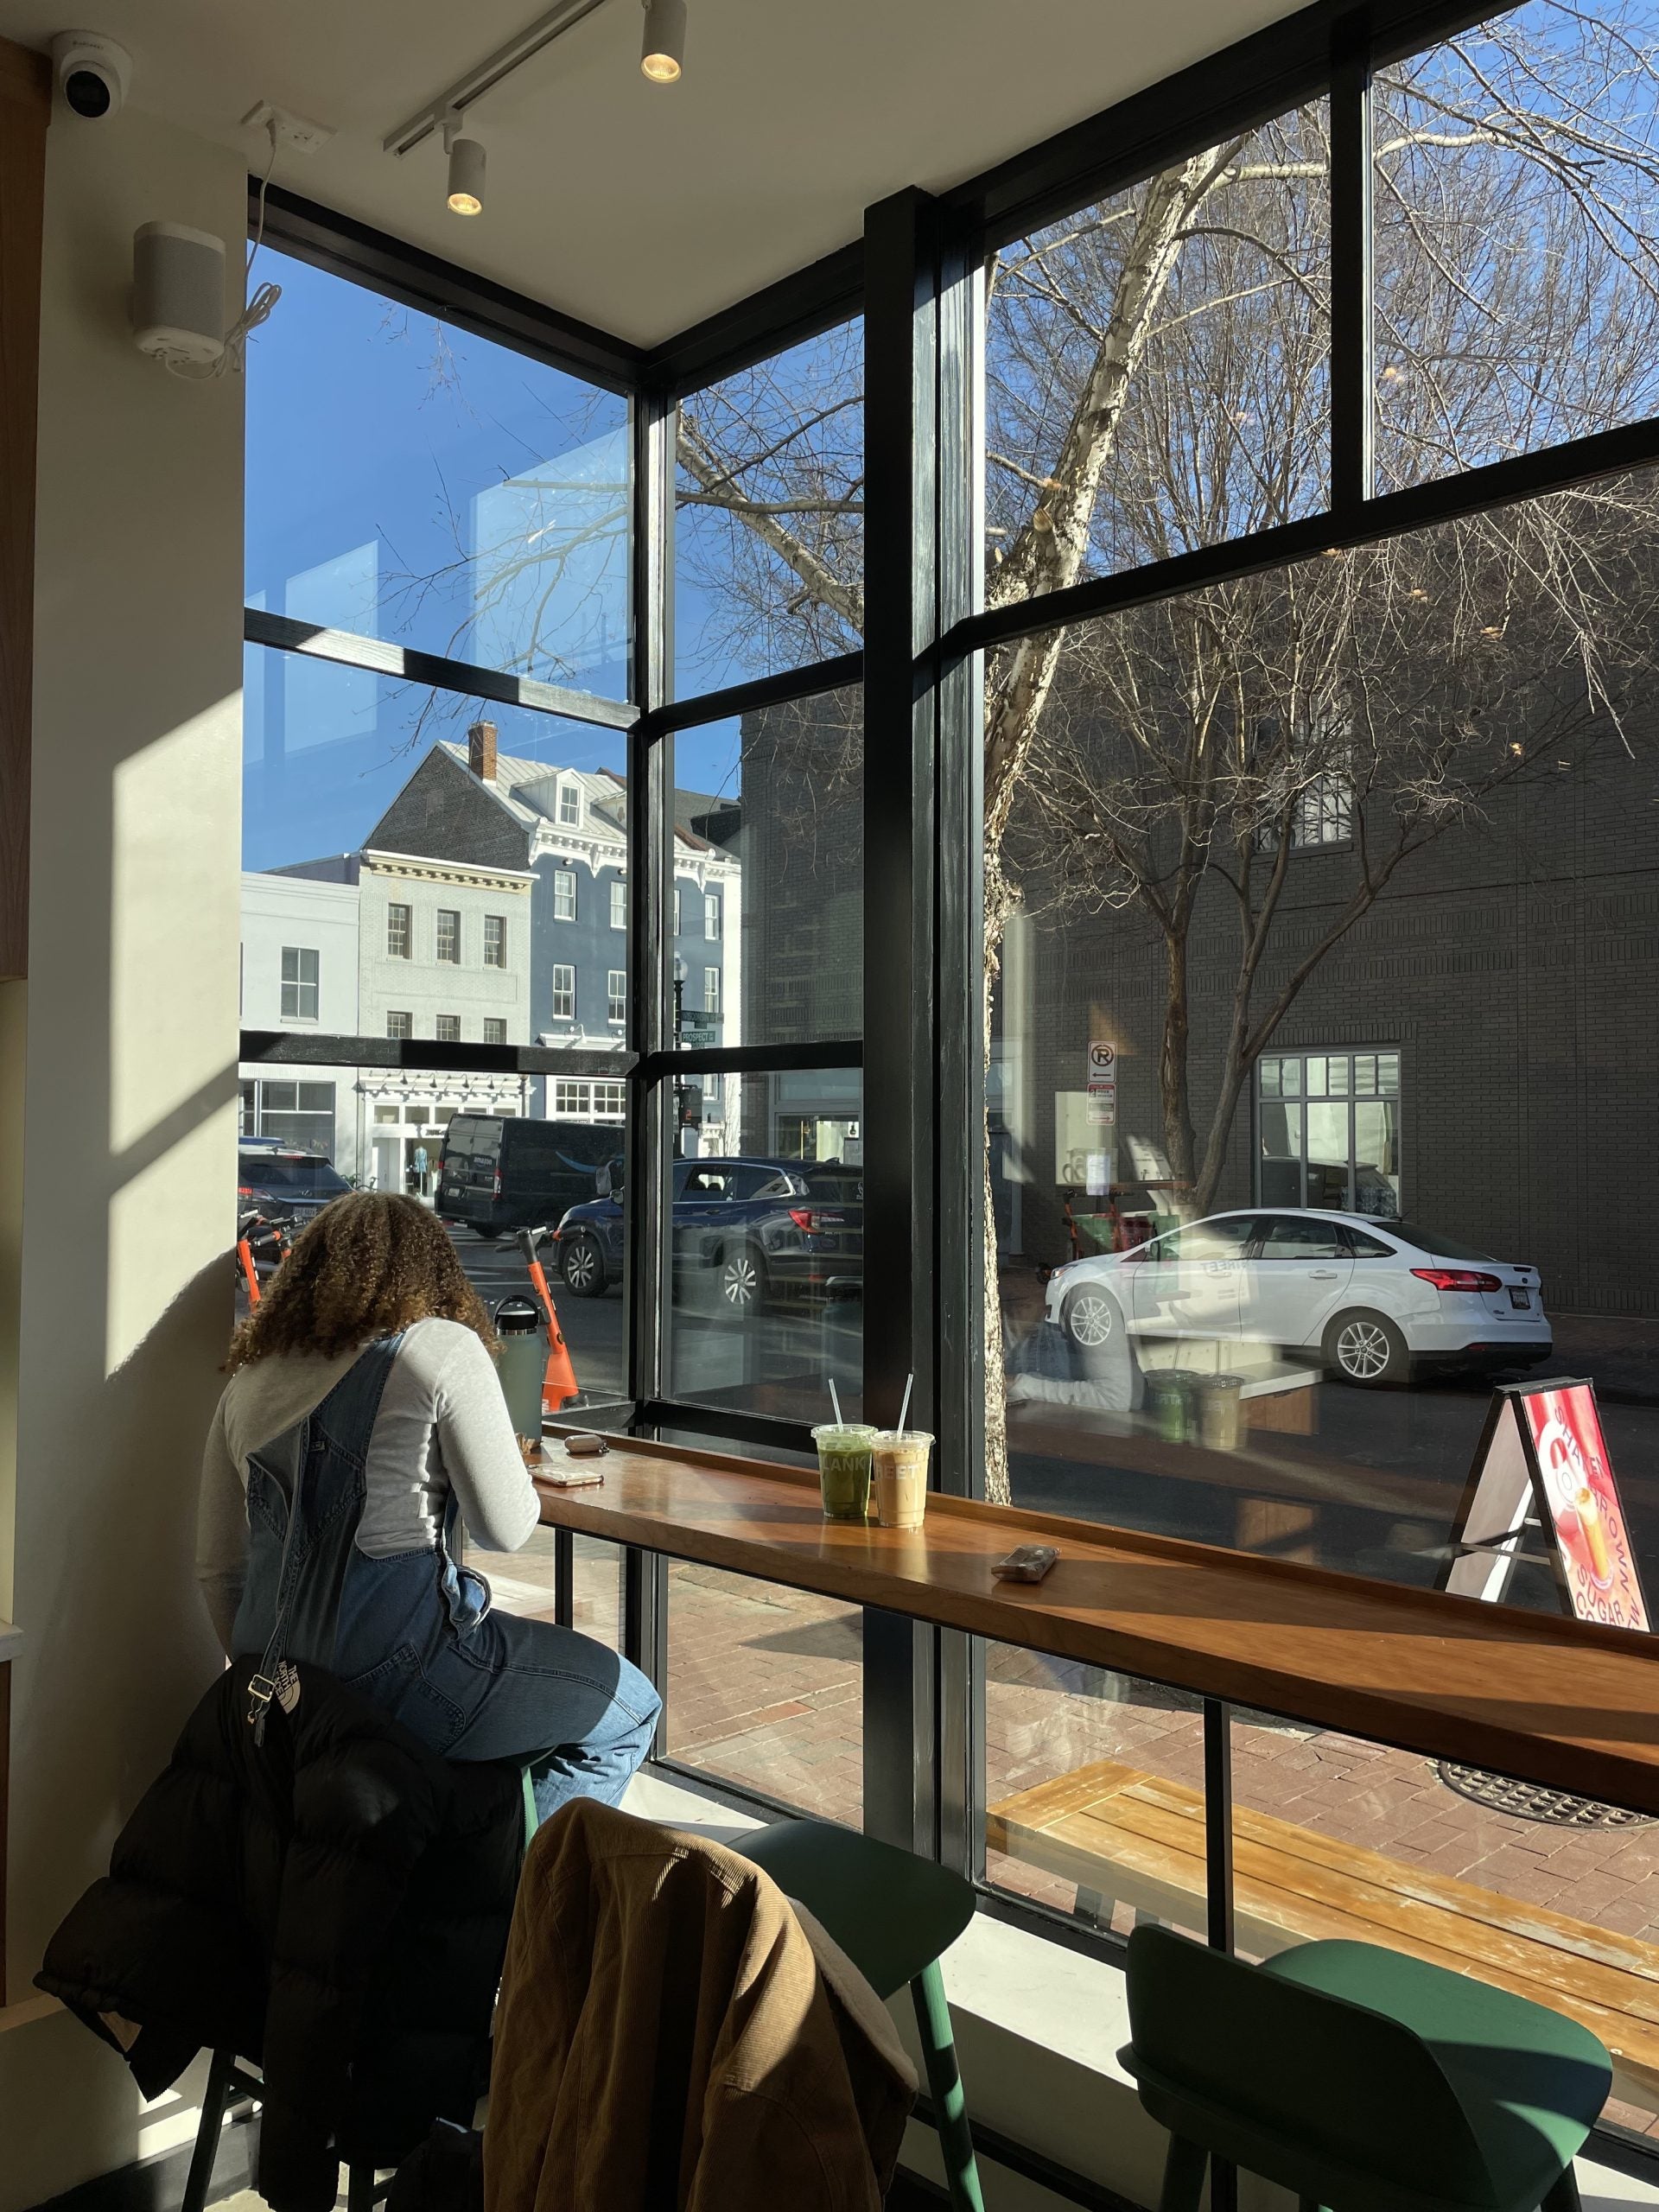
(1542, 1462)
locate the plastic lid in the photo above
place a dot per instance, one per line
(516, 1316)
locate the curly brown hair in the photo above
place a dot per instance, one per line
(368, 1265)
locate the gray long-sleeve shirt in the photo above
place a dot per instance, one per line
(442, 1425)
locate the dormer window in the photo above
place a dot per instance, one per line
(570, 805)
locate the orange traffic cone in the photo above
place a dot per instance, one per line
(559, 1386)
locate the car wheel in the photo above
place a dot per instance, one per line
(583, 1265)
(742, 1283)
(1092, 1316)
(1366, 1349)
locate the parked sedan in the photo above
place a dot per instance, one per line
(748, 1231)
(1370, 1299)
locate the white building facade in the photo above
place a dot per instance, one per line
(300, 957)
(445, 955)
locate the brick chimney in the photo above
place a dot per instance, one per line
(480, 751)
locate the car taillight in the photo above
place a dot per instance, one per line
(803, 1218)
(495, 1186)
(245, 1190)
(1457, 1278)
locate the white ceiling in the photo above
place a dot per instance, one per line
(641, 208)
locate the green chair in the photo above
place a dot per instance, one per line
(1358, 2078)
(894, 1915)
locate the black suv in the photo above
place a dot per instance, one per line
(747, 1232)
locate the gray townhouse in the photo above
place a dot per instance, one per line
(564, 830)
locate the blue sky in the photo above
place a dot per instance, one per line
(409, 482)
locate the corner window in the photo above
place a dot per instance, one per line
(448, 935)
(564, 894)
(495, 940)
(564, 994)
(300, 966)
(397, 932)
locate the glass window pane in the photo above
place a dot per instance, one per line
(1515, 199)
(767, 1291)
(1094, 1786)
(337, 758)
(524, 1582)
(769, 520)
(770, 816)
(450, 495)
(1279, 1173)
(765, 1689)
(1348, 1439)
(1156, 365)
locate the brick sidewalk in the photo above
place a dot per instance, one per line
(764, 1691)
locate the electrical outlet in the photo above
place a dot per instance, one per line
(293, 134)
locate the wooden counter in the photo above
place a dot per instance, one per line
(1546, 1700)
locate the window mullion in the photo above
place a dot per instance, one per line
(1352, 380)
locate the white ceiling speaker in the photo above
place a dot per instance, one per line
(662, 56)
(178, 295)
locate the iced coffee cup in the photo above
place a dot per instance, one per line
(844, 1468)
(900, 1477)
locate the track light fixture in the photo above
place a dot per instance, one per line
(466, 169)
(661, 57)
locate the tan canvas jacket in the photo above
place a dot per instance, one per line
(668, 2040)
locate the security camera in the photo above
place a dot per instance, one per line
(93, 72)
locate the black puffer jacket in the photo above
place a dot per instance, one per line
(333, 1904)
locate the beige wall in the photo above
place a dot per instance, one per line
(129, 1080)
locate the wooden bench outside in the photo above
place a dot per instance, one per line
(1137, 1840)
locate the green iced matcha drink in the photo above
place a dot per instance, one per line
(844, 1468)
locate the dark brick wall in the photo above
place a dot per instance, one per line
(1516, 965)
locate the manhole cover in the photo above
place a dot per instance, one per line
(1525, 1801)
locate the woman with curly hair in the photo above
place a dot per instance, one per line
(364, 1383)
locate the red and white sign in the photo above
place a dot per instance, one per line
(1542, 1460)
(1590, 1534)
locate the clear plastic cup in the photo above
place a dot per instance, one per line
(901, 1471)
(844, 1468)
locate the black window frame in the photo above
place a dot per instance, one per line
(914, 274)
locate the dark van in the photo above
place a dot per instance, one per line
(498, 1173)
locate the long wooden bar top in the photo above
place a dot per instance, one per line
(1544, 1699)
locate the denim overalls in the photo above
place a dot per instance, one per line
(414, 1632)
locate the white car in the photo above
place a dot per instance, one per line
(1370, 1299)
